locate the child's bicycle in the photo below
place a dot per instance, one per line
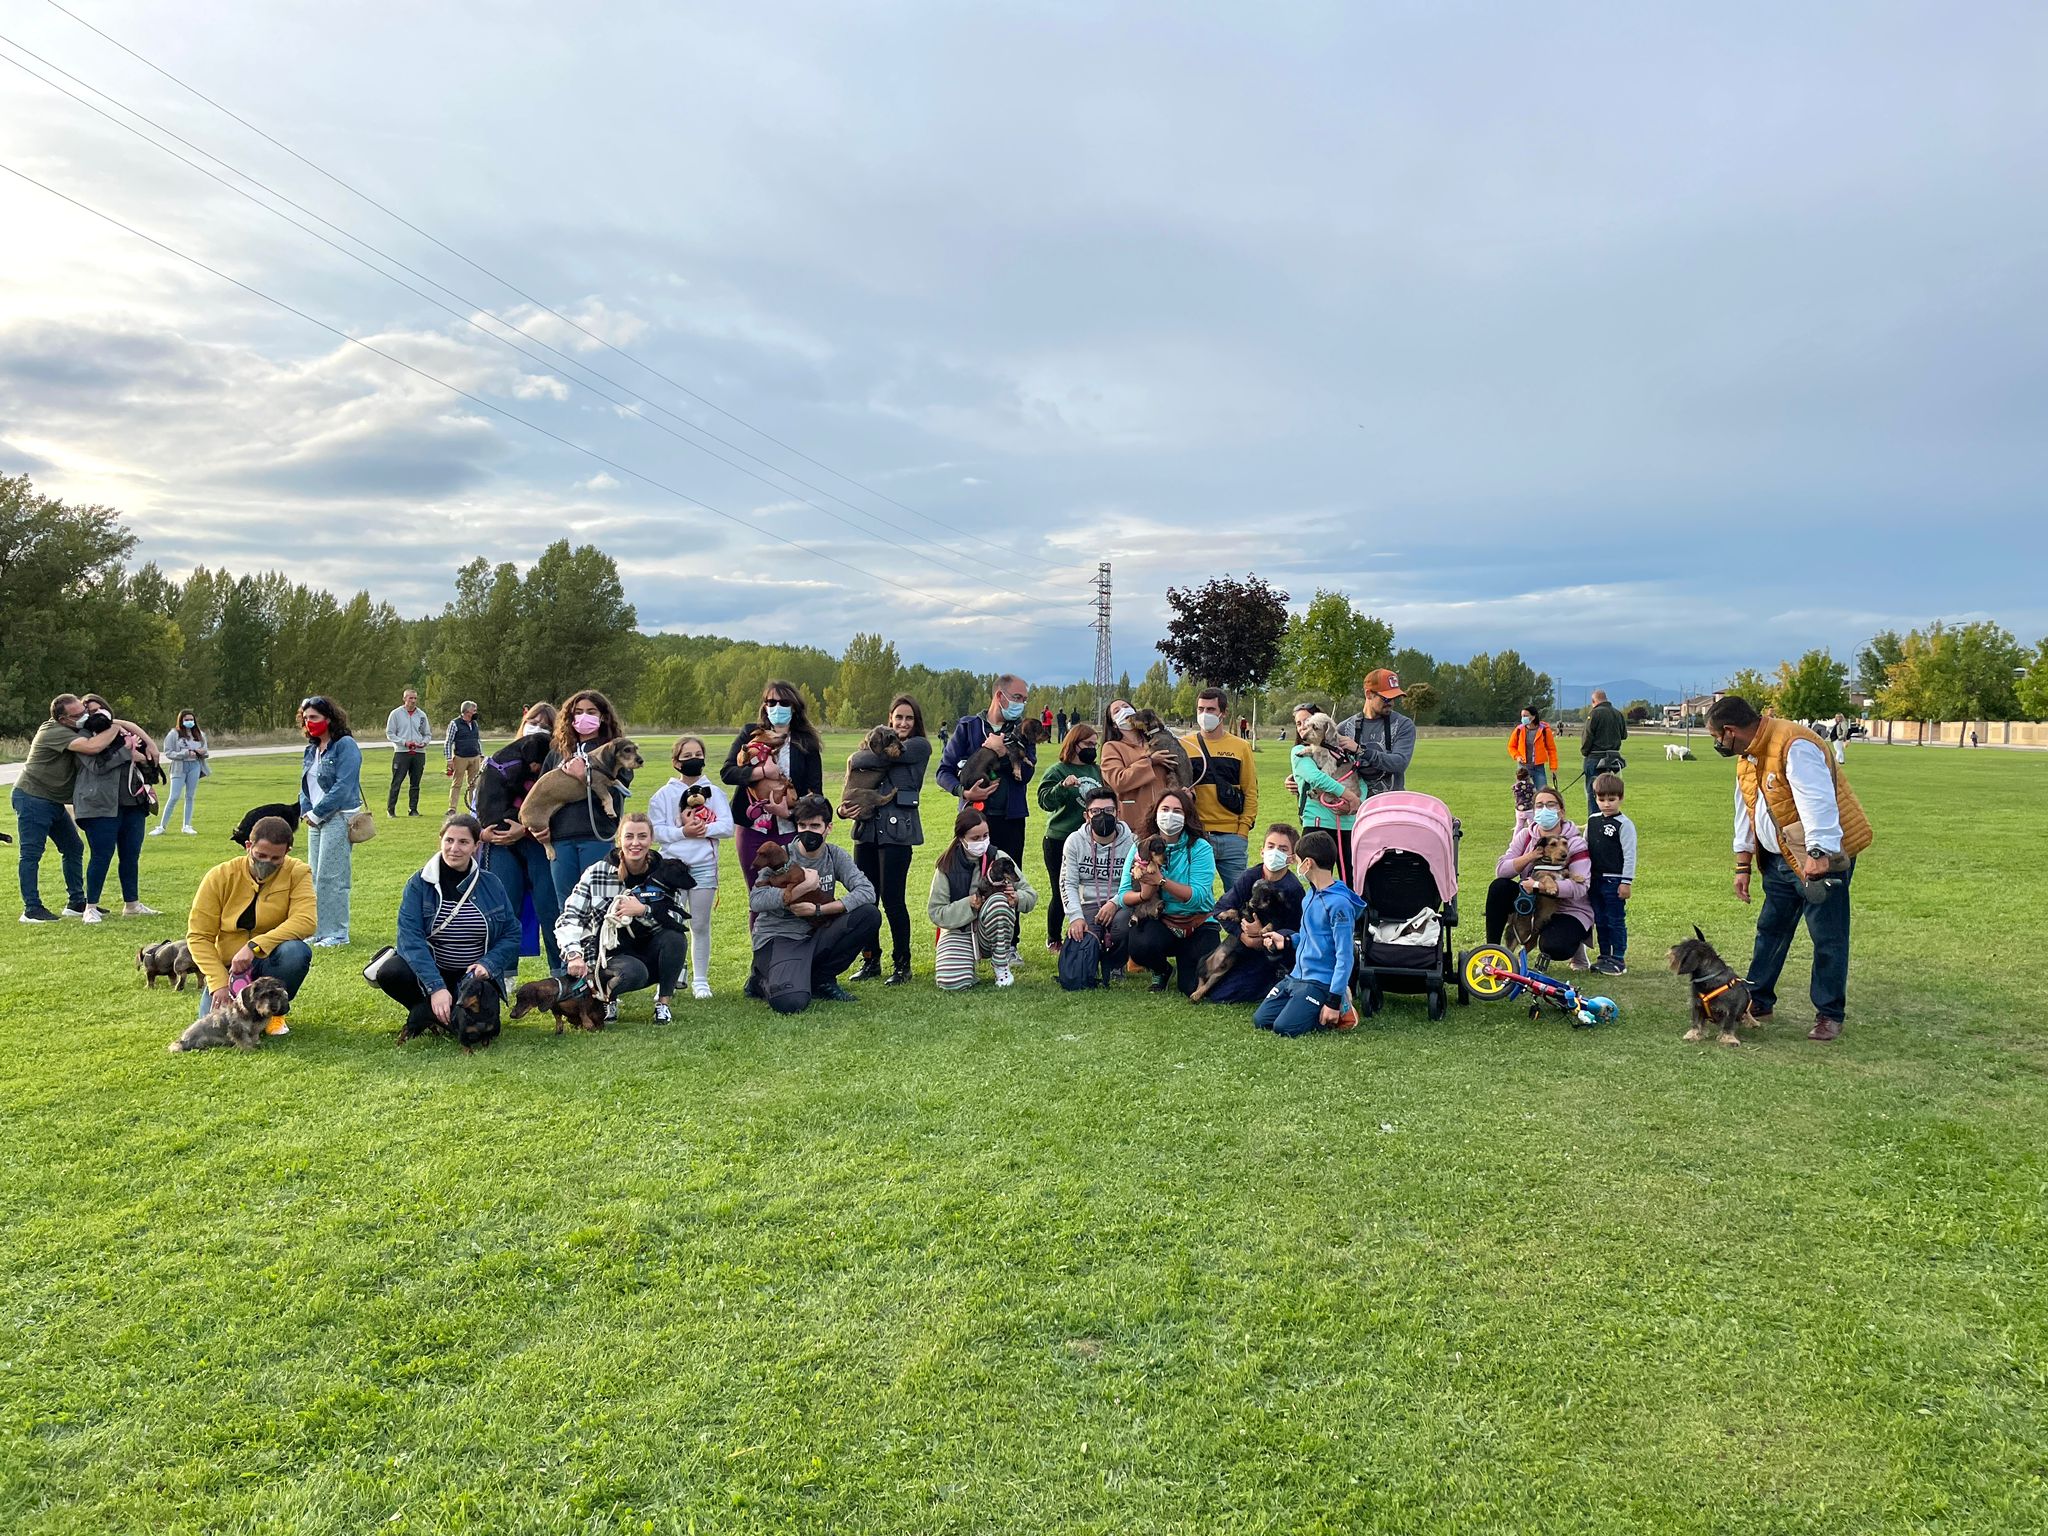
(1490, 972)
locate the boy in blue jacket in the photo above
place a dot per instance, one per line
(1312, 994)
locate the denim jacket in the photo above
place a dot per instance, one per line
(339, 777)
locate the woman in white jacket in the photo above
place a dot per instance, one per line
(184, 754)
(693, 837)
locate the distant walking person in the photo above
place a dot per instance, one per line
(1060, 726)
(1600, 745)
(1838, 733)
(1533, 745)
(46, 783)
(463, 752)
(185, 753)
(408, 731)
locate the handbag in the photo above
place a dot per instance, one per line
(362, 826)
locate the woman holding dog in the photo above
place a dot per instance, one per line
(582, 831)
(454, 921)
(330, 792)
(884, 839)
(797, 759)
(111, 804)
(509, 851)
(976, 903)
(627, 922)
(1182, 878)
(1063, 794)
(691, 837)
(185, 750)
(1563, 934)
(1328, 801)
(1131, 766)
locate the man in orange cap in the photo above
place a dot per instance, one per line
(1385, 736)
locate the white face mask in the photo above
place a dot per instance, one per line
(1208, 722)
(1275, 859)
(975, 846)
(533, 730)
(1170, 822)
(1123, 721)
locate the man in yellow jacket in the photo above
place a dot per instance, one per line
(252, 918)
(1799, 825)
(1226, 784)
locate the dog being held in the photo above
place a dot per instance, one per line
(999, 751)
(582, 1007)
(1180, 772)
(1553, 858)
(1248, 938)
(241, 1022)
(998, 873)
(613, 763)
(774, 867)
(1719, 996)
(472, 1016)
(172, 958)
(1147, 864)
(283, 810)
(863, 794)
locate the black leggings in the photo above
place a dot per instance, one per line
(1561, 936)
(1156, 947)
(1055, 910)
(397, 982)
(887, 866)
(655, 958)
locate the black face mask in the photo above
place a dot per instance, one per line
(812, 841)
(1723, 751)
(690, 767)
(1103, 823)
(1086, 754)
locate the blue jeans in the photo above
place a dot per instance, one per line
(1539, 774)
(108, 836)
(1229, 848)
(327, 851)
(1827, 925)
(1610, 916)
(184, 779)
(289, 963)
(573, 855)
(1293, 1007)
(523, 869)
(37, 821)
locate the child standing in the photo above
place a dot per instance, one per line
(1611, 840)
(692, 838)
(1311, 996)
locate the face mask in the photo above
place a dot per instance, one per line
(1547, 817)
(1014, 710)
(1275, 859)
(975, 846)
(1123, 721)
(586, 723)
(1527, 721)
(1208, 722)
(533, 730)
(690, 767)
(186, 722)
(1170, 822)
(1721, 751)
(316, 728)
(779, 714)
(263, 869)
(812, 841)
(1103, 823)
(1085, 755)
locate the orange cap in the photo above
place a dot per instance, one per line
(1383, 682)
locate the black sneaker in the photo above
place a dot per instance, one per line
(39, 915)
(832, 992)
(662, 1015)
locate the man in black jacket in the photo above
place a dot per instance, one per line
(1002, 798)
(1606, 730)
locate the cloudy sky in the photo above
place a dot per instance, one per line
(1650, 339)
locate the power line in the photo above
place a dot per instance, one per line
(513, 416)
(673, 383)
(471, 320)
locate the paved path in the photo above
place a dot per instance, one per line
(9, 772)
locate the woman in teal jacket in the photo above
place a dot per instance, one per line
(1326, 789)
(1185, 883)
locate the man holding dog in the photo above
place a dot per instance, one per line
(1002, 798)
(1799, 824)
(252, 918)
(407, 730)
(1385, 736)
(47, 779)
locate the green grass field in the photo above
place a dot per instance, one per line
(1029, 1261)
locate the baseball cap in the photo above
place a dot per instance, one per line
(1381, 680)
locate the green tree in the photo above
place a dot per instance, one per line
(581, 632)
(668, 693)
(1327, 650)
(2033, 688)
(242, 698)
(1955, 674)
(859, 696)
(1815, 687)
(1491, 690)
(481, 646)
(1155, 689)
(1753, 686)
(1876, 660)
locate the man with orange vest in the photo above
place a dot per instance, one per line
(1800, 826)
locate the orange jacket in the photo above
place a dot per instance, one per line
(1538, 746)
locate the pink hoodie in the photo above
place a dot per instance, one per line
(1571, 886)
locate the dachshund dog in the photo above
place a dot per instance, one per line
(582, 1007)
(1260, 909)
(242, 1023)
(998, 874)
(283, 811)
(1719, 996)
(472, 1019)
(774, 867)
(863, 794)
(999, 752)
(1180, 772)
(1146, 866)
(172, 958)
(556, 788)
(1553, 858)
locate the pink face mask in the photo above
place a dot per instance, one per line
(586, 725)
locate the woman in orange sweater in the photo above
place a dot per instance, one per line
(1534, 746)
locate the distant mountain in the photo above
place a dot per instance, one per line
(1621, 694)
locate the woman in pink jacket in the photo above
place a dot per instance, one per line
(1564, 935)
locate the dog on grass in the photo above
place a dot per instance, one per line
(172, 958)
(472, 1018)
(608, 765)
(1254, 923)
(863, 794)
(1719, 997)
(582, 1008)
(1675, 752)
(242, 1022)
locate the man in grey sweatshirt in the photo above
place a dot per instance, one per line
(407, 730)
(795, 957)
(1091, 869)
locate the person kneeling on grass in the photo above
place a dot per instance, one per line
(796, 958)
(628, 919)
(975, 922)
(454, 920)
(1311, 996)
(1269, 942)
(1182, 883)
(252, 918)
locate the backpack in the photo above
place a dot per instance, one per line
(1080, 963)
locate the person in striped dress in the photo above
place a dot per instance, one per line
(972, 925)
(454, 920)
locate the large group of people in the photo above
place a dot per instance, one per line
(1147, 850)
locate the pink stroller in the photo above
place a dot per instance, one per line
(1404, 862)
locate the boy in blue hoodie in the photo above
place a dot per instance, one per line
(1312, 994)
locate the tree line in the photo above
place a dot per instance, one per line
(1975, 671)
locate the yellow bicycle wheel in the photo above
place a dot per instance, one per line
(1474, 968)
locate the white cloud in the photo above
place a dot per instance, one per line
(598, 482)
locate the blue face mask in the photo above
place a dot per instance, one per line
(1546, 817)
(779, 714)
(1014, 710)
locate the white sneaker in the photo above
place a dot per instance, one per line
(1004, 976)
(94, 915)
(701, 990)
(156, 831)
(191, 831)
(137, 909)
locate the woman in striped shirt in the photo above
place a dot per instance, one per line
(454, 920)
(973, 924)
